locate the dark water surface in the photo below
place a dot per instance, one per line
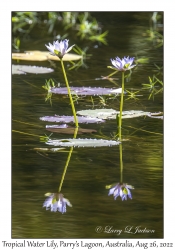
(90, 169)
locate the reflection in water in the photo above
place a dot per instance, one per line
(56, 201)
(120, 189)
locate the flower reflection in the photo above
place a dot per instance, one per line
(123, 64)
(120, 189)
(59, 48)
(56, 202)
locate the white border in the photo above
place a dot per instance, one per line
(5, 98)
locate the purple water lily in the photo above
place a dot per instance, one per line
(122, 190)
(59, 48)
(123, 64)
(56, 202)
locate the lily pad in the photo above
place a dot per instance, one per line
(82, 142)
(134, 114)
(23, 69)
(37, 55)
(158, 115)
(111, 113)
(87, 91)
(99, 113)
(65, 129)
(69, 119)
(51, 150)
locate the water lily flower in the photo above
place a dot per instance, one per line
(56, 202)
(123, 64)
(59, 48)
(122, 190)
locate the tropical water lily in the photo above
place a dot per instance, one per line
(123, 64)
(59, 48)
(56, 202)
(122, 190)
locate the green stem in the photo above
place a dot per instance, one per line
(25, 133)
(121, 163)
(65, 169)
(112, 73)
(121, 106)
(120, 128)
(67, 163)
(70, 96)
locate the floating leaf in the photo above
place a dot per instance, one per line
(87, 91)
(158, 115)
(134, 114)
(82, 142)
(68, 119)
(65, 129)
(23, 69)
(37, 55)
(52, 150)
(111, 113)
(99, 113)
